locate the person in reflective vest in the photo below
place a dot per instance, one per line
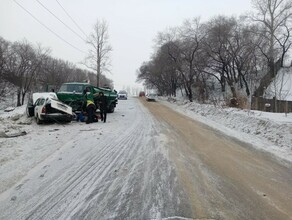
(90, 106)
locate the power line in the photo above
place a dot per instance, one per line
(49, 28)
(60, 20)
(72, 19)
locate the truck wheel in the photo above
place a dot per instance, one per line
(111, 108)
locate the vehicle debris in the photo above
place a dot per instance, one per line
(9, 109)
(4, 135)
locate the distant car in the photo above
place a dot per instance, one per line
(141, 94)
(151, 97)
(123, 95)
(47, 107)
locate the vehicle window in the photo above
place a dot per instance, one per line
(71, 88)
(37, 102)
(41, 101)
(79, 88)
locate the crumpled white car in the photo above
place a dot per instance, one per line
(47, 107)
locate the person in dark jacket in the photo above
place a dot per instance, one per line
(90, 106)
(102, 102)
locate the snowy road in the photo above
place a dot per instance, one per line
(147, 163)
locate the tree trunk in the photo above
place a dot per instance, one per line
(246, 86)
(18, 97)
(268, 78)
(98, 73)
(233, 91)
(190, 93)
(23, 96)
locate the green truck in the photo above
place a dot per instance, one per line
(72, 95)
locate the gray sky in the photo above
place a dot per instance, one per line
(133, 25)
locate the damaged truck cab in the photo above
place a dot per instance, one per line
(72, 95)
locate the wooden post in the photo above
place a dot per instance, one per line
(256, 103)
(274, 104)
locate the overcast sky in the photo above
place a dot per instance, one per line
(133, 25)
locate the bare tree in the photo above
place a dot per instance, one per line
(285, 40)
(219, 45)
(54, 72)
(159, 73)
(98, 58)
(22, 65)
(27, 68)
(273, 17)
(183, 46)
(232, 56)
(191, 35)
(4, 45)
(168, 61)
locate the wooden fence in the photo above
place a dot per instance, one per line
(271, 105)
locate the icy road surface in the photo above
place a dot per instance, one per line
(146, 162)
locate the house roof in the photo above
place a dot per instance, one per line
(281, 86)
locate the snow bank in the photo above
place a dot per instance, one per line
(271, 132)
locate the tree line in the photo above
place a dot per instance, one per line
(30, 68)
(241, 54)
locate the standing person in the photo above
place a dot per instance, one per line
(102, 101)
(90, 106)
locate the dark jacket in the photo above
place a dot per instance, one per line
(102, 102)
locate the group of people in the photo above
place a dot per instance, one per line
(90, 106)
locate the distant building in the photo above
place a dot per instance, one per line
(281, 87)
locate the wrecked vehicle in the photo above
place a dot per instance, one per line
(46, 107)
(72, 94)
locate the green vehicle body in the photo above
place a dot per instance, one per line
(72, 95)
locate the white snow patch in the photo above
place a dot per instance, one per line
(281, 87)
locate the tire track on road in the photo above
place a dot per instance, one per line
(234, 176)
(100, 164)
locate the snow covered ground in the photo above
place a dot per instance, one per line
(271, 132)
(68, 155)
(81, 171)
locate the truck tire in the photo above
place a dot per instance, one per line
(111, 108)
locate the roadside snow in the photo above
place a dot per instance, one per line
(18, 155)
(271, 132)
